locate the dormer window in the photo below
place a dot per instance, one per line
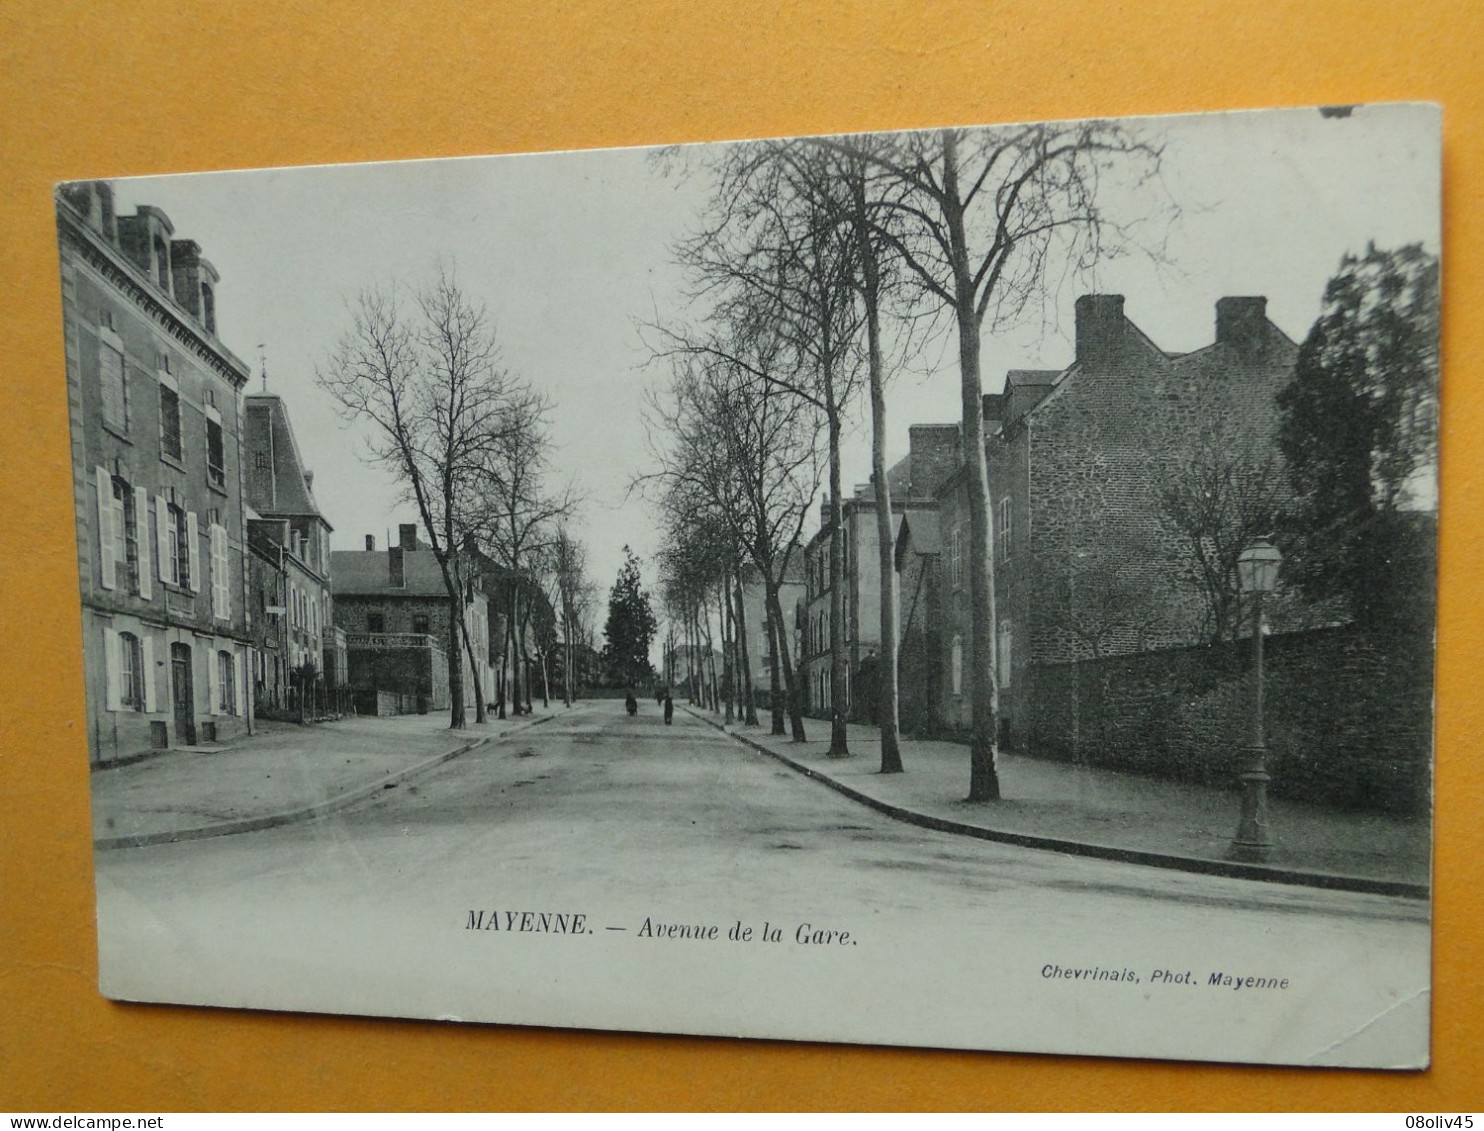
(162, 264)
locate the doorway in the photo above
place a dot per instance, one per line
(183, 694)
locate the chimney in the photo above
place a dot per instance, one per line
(396, 567)
(1099, 327)
(1241, 320)
(933, 449)
(994, 407)
(370, 541)
(407, 535)
(309, 481)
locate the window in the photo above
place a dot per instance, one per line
(226, 679)
(956, 556)
(957, 665)
(178, 534)
(420, 623)
(170, 422)
(131, 672)
(115, 384)
(208, 308)
(1005, 530)
(375, 622)
(260, 460)
(216, 460)
(126, 533)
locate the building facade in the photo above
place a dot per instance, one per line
(396, 615)
(156, 421)
(1087, 561)
(289, 540)
(760, 657)
(914, 481)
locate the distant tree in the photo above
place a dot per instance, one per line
(631, 625)
(1360, 433)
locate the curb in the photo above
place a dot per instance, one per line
(1229, 869)
(306, 812)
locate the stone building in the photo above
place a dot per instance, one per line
(914, 481)
(396, 615)
(1086, 562)
(155, 405)
(289, 539)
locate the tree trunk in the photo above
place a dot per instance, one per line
(785, 660)
(839, 747)
(887, 690)
(566, 648)
(479, 710)
(515, 650)
(525, 656)
(984, 783)
(775, 673)
(728, 651)
(748, 706)
(456, 719)
(710, 659)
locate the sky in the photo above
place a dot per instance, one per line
(573, 253)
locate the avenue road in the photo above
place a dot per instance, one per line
(639, 827)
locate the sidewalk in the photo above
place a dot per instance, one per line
(1112, 815)
(279, 774)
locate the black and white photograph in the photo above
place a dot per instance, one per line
(963, 588)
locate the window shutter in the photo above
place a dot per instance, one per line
(239, 675)
(214, 677)
(162, 537)
(218, 568)
(112, 676)
(151, 703)
(193, 550)
(141, 540)
(225, 573)
(111, 372)
(107, 540)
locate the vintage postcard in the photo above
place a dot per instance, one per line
(968, 588)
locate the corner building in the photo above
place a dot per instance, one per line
(155, 402)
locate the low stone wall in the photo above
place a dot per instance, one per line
(1348, 716)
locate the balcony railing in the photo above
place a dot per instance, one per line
(390, 640)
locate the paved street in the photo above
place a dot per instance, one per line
(628, 822)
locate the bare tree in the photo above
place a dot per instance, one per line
(566, 560)
(982, 219)
(722, 437)
(516, 515)
(1226, 489)
(774, 251)
(422, 376)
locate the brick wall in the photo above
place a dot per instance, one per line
(1349, 715)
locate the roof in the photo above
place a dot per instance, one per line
(1032, 376)
(286, 491)
(367, 573)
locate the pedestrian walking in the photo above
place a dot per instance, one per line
(669, 708)
(631, 704)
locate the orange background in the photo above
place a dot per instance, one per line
(159, 87)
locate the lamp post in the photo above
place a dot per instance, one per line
(1257, 574)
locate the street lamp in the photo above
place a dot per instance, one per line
(1257, 574)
